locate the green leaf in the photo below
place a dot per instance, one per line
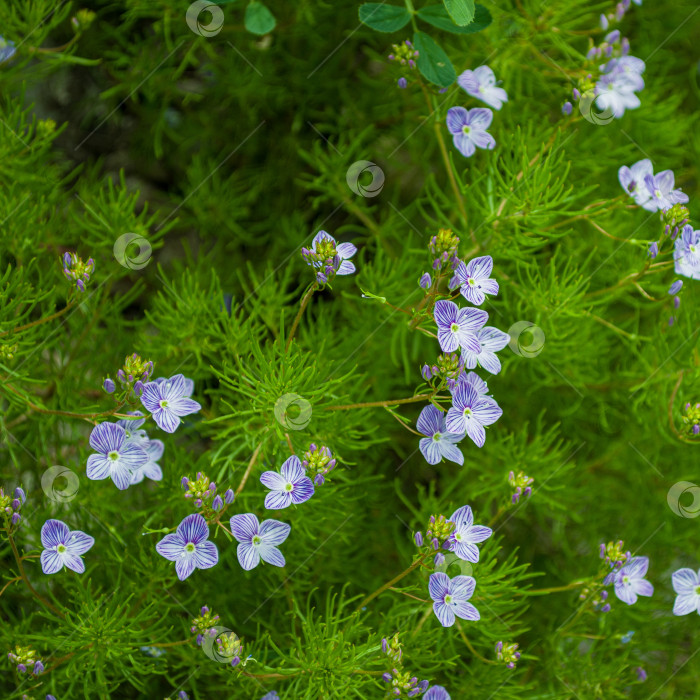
(461, 11)
(433, 62)
(384, 18)
(438, 17)
(258, 19)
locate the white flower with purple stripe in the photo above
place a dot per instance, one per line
(481, 83)
(468, 129)
(464, 538)
(475, 280)
(189, 547)
(436, 692)
(686, 583)
(258, 540)
(687, 253)
(439, 443)
(345, 251)
(151, 470)
(457, 327)
(168, 401)
(289, 485)
(63, 547)
(491, 341)
(132, 428)
(117, 458)
(630, 582)
(470, 412)
(189, 385)
(451, 596)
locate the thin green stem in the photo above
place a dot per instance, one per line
(393, 581)
(302, 306)
(384, 404)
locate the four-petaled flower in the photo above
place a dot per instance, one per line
(457, 327)
(630, 582)
(468, 129)
(117, 456)
(440, 442)
(168, 402)
(686, 583)
(63, 547)
(491, 341)
(470, 412)
(189, 546)
(450, 598)
(481, 83)
(258, 540)
(661, 192)
(474, 279)
(290, 485)
(687, 253)
(462, 541)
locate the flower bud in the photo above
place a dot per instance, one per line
(229, 495)
(217, 503)
(418, 539)
(109, 386)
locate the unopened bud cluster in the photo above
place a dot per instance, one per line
(522, 483)
(318, 462)
(229, 646)
(132, 377)
(204, 625)
(447, 366)
(203, 493)
(77, 271)
(691, 419)
(10, 507)
(26, 661)
(443, 249)
(401, 683)
(507, 653)
(436, 537)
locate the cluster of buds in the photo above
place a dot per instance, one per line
(25, 661)
(324, 258)
(691, 419)
(229, 646)
(447, 366)
(522, 483)
(132, 377)
(507, 654)
(436, 537)
(597, 597)
(405, 55)
(7, 351)
(318, 462)
(392, 648)
(10, 507)
(614, 555)
(674, 219)
(77, 271)
(204, 625)
(443, 250)
(204, 494)
(401, 681)
(82, 20)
